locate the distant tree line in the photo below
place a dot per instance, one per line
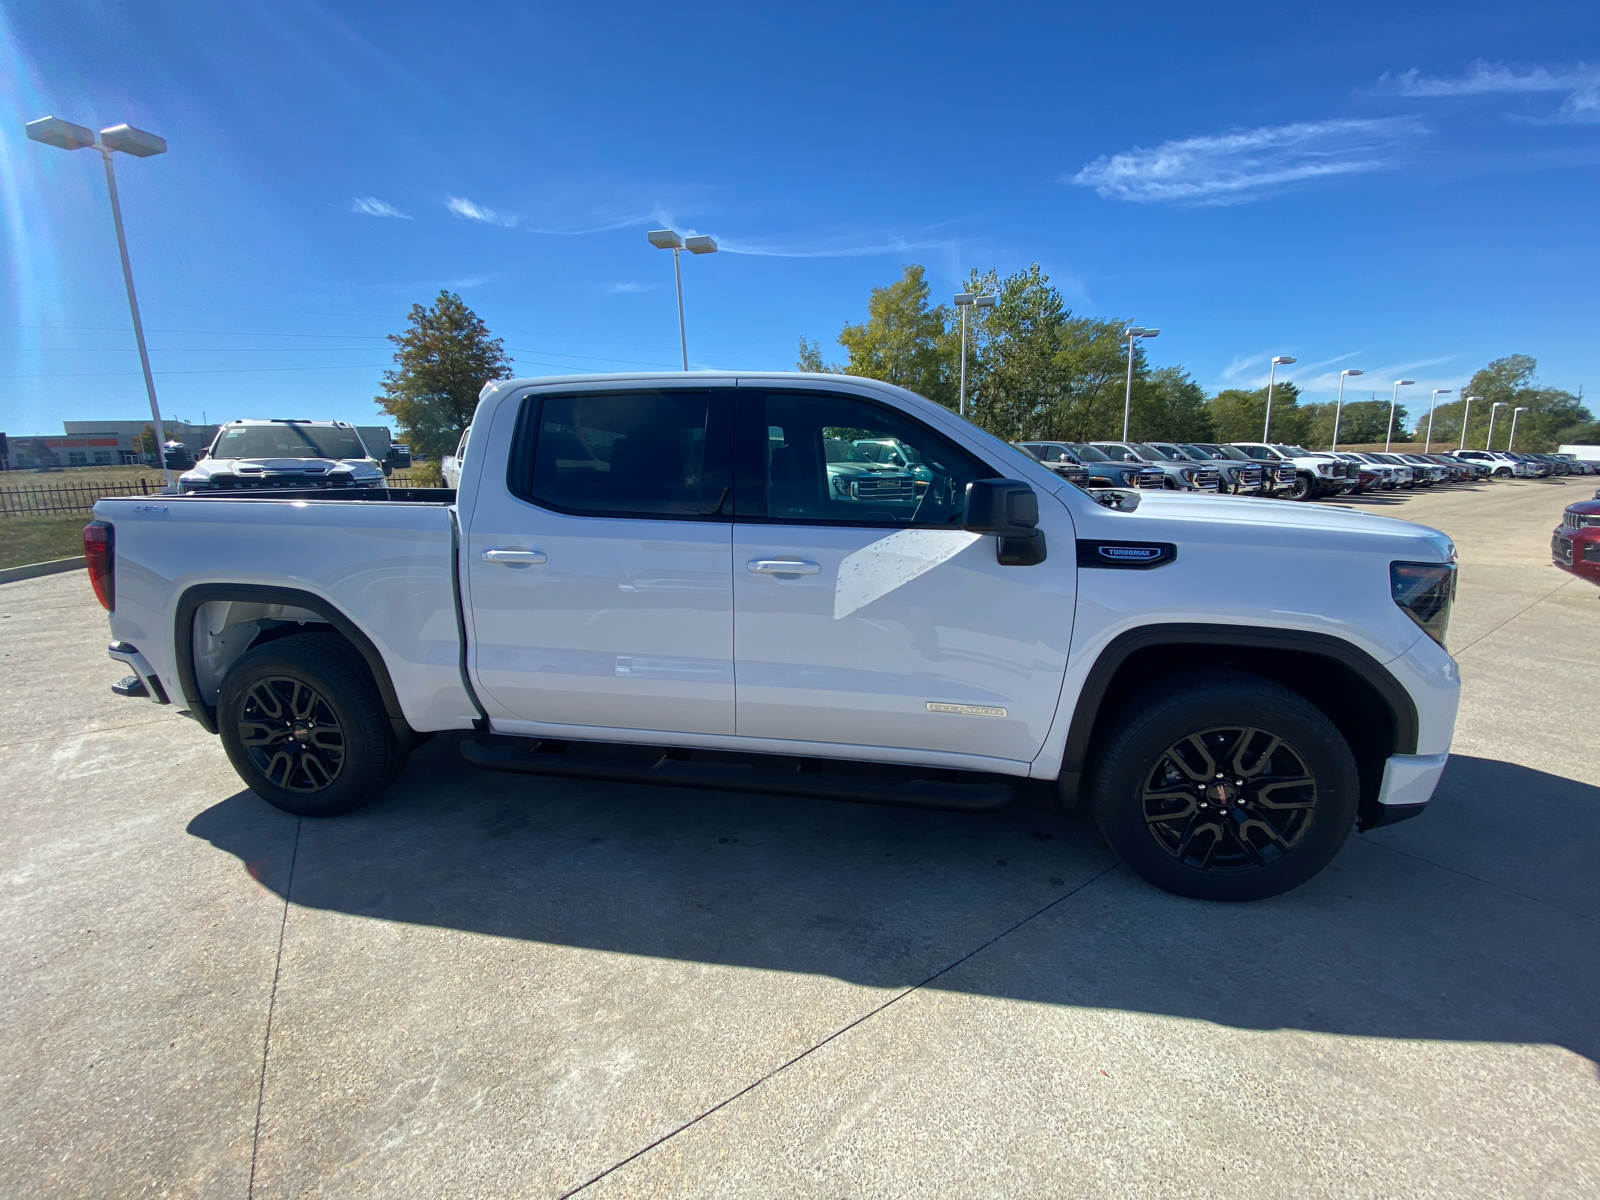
(1037, 370)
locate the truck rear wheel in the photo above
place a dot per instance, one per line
(1229, 787)
(303, 726)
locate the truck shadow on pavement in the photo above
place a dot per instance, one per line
(1480, 921)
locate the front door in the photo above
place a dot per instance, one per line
(864, 614)
(599, 573)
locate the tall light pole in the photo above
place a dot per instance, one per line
(1133, 333)
(666, 239)
(1466, 411)
(1394, 396)
(1437, 392)
(1514, 412)
(1488, 442)
(53, 131)
(965, 301)
(1282, 360)
(1338, 407)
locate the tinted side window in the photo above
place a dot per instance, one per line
(652, 454)
(843, 461)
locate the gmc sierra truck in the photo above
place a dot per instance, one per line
(657, 578)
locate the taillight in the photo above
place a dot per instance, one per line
(100, 553)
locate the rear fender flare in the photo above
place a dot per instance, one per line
(183, 644)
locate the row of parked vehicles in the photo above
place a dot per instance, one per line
(1290, 472)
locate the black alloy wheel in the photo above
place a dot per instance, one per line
(291, 734)
(304, 726)
(1225, 787)
(1227, 798)
(1300, 489)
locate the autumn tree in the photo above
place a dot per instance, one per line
(903, 340)
(442, 362)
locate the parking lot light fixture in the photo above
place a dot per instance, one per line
(1519, 409)
(1338, 406)
(667, 239)
(1437, 392)
(1488, 442)
(64, 135)
(1281, 360)
(965, 301)
(1393, 397)
(1466, 411)
(1133, 333)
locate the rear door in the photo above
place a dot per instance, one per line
(864, 614)
(599, 570)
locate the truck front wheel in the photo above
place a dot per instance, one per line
(303, 726)
(1229, 787)
(1302, 488)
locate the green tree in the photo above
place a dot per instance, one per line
(442, 362)
(1036, 370)
(1361, 423)
(811, 359)
(1554, 415)
(1169, 406)
(1239, 413)
(903, 340)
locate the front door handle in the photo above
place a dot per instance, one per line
(782, 566)
(514, 556)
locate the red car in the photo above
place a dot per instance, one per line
(1575, 546)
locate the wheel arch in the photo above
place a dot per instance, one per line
(1371, 708)
(188, 608)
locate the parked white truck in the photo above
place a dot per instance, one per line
(651, 577)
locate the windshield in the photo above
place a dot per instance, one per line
(288, 441)
(1088, 453)
(1292, 451)
(896, 454)
(1161, 453)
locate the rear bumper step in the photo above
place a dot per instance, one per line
(528, 758)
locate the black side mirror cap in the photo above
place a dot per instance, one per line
(1009, 509)
(1005, 507)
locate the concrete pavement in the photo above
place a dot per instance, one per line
(489, 985)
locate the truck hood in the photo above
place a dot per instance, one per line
(208, 467)
(1284, 515)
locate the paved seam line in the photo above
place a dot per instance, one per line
(838, 1033)
(1571, 580)
(272, 1003)
(1480, 879)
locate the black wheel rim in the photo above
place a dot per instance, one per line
(1232, 798)
(291, 734)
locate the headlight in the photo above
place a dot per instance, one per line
(1187, 473)
(1426, 591)
(1323, 468)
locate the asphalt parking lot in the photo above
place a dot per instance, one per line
(487, 985)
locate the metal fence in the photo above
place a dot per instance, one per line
(67, 497)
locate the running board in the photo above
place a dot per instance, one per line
(565, 760)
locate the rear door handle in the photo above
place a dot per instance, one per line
(782, 566)
(514, 556)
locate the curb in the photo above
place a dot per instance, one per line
(34, 570)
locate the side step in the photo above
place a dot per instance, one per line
(566, 760)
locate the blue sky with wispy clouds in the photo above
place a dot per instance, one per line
(1394, 188)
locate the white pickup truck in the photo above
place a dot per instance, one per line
(651, 577)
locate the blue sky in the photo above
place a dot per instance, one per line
(1396, 188)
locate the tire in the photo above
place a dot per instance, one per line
(303, 726)
(1218, 840)
(1301, 488)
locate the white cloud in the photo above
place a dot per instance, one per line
(462, 207)
(865, 249)
(1231, 168)
(371, 206)
(1580, 85)
(632, 287)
